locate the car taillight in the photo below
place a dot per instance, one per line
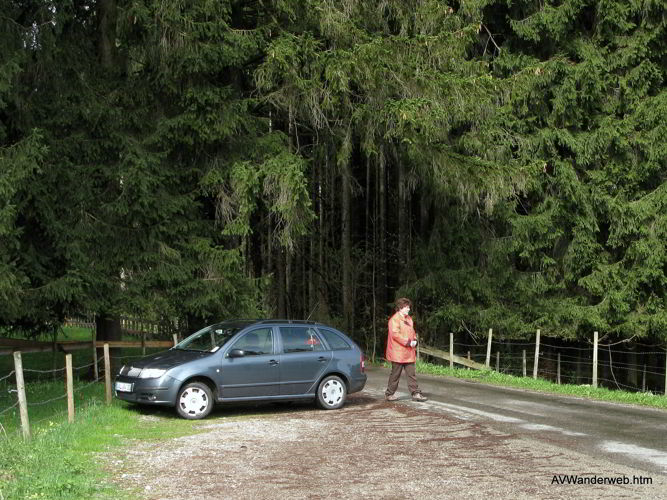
(363, 363)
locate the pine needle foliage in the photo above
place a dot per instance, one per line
(581, 93)
(501, 162)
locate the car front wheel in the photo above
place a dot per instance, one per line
(194, 401)
(331, 393)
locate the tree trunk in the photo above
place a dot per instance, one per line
(346, 246)
(382, 240)
(424, 217)
(322, 296)
(281, 301)
(106, 15)
(403, 218)
(108, 329)
(287, 260)
(367, 218)
(311, 276)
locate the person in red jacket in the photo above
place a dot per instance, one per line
(401, 351)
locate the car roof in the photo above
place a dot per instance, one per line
(290, 321)
(242, 323)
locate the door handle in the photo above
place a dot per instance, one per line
(273, 362)
(322, 358)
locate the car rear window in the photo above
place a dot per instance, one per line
(300, 339)
(335, 340)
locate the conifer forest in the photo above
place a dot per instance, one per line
(503, 163)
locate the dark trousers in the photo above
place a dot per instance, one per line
(395, 377)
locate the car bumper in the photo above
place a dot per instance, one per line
(157, 391)
(357, 383)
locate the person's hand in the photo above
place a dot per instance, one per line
(413, 343)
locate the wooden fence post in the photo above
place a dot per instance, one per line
(644, 379)
(498, 361)
(20, 389)
(54, 357)
(488, 349)
(451, 350)
(70, 388)
(594, 383)
(95, 367)
(107, 373)
(524, 362)
(143, 343)
(537, 354)
(467, 367)
(558, 370)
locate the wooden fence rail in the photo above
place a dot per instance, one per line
(453, 358)
(438, 353)
(8, 346)
(131, 326)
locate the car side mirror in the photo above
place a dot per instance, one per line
(236, 353)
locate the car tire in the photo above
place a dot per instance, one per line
(194, 401)
(331, 393)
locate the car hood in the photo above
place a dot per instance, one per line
(169, 359)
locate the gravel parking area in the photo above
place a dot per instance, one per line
(368, 449)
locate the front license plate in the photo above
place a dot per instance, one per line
(123, 387)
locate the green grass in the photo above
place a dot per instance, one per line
(75, 333)
(60, 460)
(541, 385)
(43, 373)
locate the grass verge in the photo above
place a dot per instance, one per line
(61, 460)
(541, 385)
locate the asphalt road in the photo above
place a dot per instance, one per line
(621, 434)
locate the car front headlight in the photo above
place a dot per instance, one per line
(152, 373)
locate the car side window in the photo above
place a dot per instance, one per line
(335, 340)
(256, 342)
(300, 339)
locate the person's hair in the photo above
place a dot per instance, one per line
(402, 302)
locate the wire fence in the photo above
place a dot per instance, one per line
(35, 400)
(624, 365)
(45, 394)
(619, 365)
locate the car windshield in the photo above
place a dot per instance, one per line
(210, 338)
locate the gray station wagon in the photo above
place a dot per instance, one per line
(247, 360)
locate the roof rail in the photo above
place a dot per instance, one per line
(289, 321)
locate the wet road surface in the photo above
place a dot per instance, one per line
(622, 434)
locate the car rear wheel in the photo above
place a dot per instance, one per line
(194, 401)
(331, 393)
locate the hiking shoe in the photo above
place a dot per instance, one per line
(417, 396)
(391, 397)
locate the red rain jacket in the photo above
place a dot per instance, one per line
(401, 332)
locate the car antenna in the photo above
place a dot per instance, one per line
(311, 312)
